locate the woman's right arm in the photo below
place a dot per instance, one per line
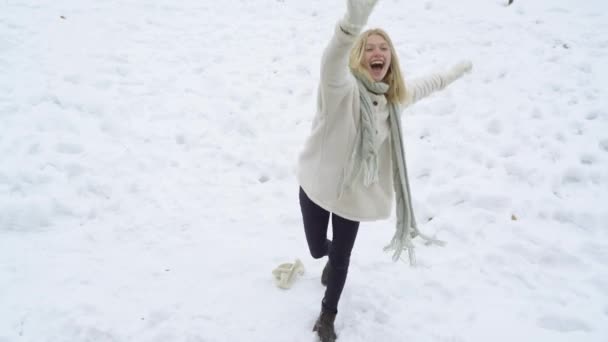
(334, 64)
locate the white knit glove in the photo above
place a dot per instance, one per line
(285, 274)
(357, 13)
(463, 67)
(456, 72)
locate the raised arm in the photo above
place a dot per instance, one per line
(422, 87)
(334, 64)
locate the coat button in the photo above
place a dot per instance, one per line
(375, 103)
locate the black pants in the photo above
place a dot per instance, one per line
(316, 221)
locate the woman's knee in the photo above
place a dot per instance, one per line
(319, 251)
(317, 254)
(339, 262)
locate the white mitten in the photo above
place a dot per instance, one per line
(456, 72)
(463, 67)
(357, 13)
(285, 274)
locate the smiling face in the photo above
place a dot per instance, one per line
(374, 55)
(377, 57)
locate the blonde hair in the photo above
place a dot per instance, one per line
(396, 91)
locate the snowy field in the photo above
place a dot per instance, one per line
(147, 173)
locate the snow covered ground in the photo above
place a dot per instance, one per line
(147, 173)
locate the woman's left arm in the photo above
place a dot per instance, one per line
(420, 88)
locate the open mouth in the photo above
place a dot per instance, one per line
(376, 65)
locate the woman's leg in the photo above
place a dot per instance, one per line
(316, 220)
(344, 235)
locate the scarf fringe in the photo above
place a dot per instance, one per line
(398, 245)
(364, 158)
(403, 242)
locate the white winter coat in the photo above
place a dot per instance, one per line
(328, 148)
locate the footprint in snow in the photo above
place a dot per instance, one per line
(562, 324)
(577, 128)
(68, 148)
(592, 115)
(587, 159)
(494, 127)
(603, 144)
(536, 114)
(572, 175)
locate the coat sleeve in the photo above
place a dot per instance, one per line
(334, 64)
(422, 87)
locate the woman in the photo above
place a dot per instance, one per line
(353, 160)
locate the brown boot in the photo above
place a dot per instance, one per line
(325, 274)
(324, 326)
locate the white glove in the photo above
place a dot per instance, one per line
(456, 72)
(463, 67)
(285, 274)
(357, 13)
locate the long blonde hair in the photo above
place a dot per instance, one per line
(396, 91)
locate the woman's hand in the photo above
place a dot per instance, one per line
(357, 13)
(463, 67)
(457, 70)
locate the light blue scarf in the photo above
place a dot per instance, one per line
(364, 158)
